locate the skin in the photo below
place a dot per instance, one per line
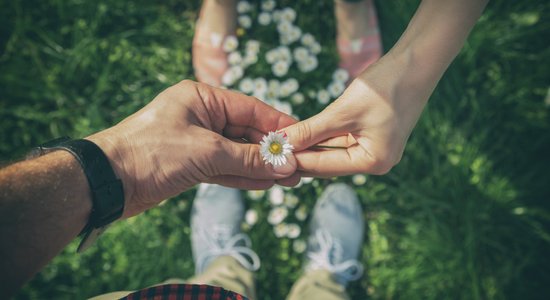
(188, 134)
(374, 117)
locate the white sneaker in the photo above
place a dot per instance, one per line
(336, 234)
(216, 219)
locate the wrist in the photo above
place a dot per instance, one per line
(119, 157)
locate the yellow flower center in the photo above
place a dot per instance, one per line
(275, 148)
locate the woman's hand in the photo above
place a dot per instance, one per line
(369, 125)
(192, 133)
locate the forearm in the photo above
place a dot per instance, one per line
(431, 41)
(45, 203)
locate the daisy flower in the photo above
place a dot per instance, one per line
(268, 5)
(274, 148)
(291, 200)
(280, 230)
(283, 107)
(308, 39)
(251, 217)
(252, 46)
(264, 18)
(323, 97)
(245, 21)
(230, 44)
(299, 246)
(297, 99)
(293, 231)
(276, 195)
(315, 48)
(246, 86)
(243, 7)
(260, 86)
(284, 27)
(336, 89)
(277, 215)
(288, 14)
(301, 213)
(292, 85)
(340, 75)
(359, 179)
(234, 58)
(250, 59)
(300, 54)
(256, 194)
(280, 68)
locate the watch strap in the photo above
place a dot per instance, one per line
(106, 189)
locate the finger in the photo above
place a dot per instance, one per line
(327, 124)
(250, 134)
(243, 110)
(245, 160)
(241, 182)
(291, 181)
(339, 141)
(338, 162)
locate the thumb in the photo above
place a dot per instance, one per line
(245, 160)
(327, 124)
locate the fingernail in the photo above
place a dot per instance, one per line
(287, 169)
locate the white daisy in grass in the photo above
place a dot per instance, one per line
(274, 148)
(276, 195)
(280, 230)
(246, 85)
(301, 213)
(308, 39)
(243, 7)
(323, 97)
(297, 99)
(288, 14)
(359, 179)
(299, 246)
(280, 68)
(300, 54)
(245, 21)
(291, 200)
(252, 46)
(336, 89)
(340, 75)
(268, 5)
(264, 18)
(293, 231)
(230, 44)
(251, 217)
(256, 194)
(283, 107)
(250, 59)
(277, 215)
(234, 58)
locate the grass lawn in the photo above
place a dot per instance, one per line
(465, 215)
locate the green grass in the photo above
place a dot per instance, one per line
(464, 215)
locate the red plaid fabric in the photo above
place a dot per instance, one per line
(184, 292)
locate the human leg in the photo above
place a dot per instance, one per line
(336, 237)
(221, 251)
(358, 36)
(217, 22)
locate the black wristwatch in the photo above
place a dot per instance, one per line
(107, 192)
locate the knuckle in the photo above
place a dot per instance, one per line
(303, 132)
(379, 165)
(250, 159)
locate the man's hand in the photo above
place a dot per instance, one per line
(188, 134)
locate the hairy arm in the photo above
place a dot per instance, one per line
(44, 204)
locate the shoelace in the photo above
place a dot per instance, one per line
(330, 251)
(224, 244)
